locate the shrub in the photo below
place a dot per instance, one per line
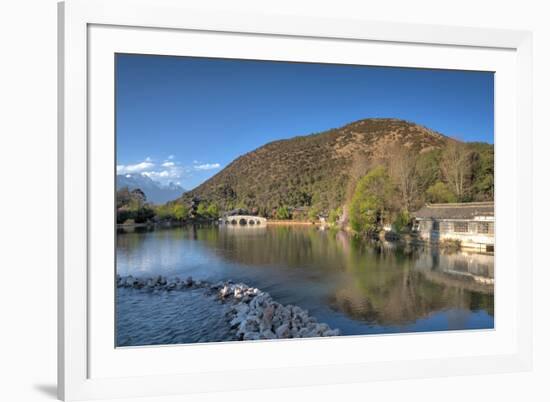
(334, 215)
(123, 215)
(202, 209)
(179, 212)
(402, 222)
(212, 211)
(164, 212)
(283, 212)
(439, 192)
(313, 213)
(144, 214)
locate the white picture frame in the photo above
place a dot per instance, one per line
(90, 31)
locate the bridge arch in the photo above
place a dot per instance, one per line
(243, 220)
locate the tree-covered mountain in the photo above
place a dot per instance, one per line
(321, 171)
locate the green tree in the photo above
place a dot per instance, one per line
(334, 215)
(123, 215)
(313, 213)
(402, 221)
(162, 212)
(133, 205)
(263, 211)
(202, 210)
(123, 197)
(439, 192)
(428, 170)
(179, 212)
(212, 211)
(241, 205)
(144, 214)
(483, 186)
(371, 201)
(283, 212)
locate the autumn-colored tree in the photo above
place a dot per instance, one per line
(456, 166)
(402, 169)
(359, 166)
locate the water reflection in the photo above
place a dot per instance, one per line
(357, 286)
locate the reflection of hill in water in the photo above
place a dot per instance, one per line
(243, 231)
(262, 246)
(372, 282)
(427, 282)
(402, 298)
(380, 283)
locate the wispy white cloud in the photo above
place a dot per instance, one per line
(207, 166)
(164, 173)
(136, 168)
(169, 170)
(161, 174)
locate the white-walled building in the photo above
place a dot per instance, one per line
(472, 223)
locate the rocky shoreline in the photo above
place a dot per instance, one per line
(253, 314)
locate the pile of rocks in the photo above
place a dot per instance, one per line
(253, 314)
(158, 282)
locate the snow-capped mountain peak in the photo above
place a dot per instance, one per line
(156, 192)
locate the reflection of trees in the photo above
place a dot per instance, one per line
(375, 282)
(396, 298)
(398, 286)
(383, 283)
(291, 246)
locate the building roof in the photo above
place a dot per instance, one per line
(466, 210)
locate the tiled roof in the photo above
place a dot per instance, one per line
(466, 210)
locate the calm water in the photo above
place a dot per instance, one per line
(358, 287)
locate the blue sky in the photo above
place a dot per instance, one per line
(183, 119)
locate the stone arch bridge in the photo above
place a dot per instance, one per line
(243, 220)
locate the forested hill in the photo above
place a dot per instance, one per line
(322, 169)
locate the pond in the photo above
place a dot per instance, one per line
(357, 286)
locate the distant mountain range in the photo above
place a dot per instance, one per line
(156, 193)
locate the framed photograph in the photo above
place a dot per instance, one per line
(253, 201)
